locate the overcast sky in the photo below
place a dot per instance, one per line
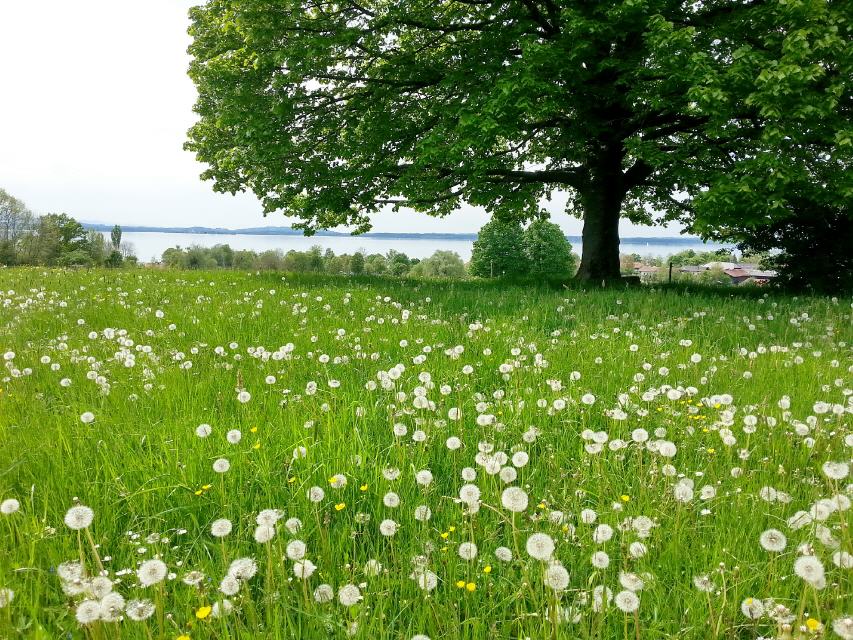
(95, 107)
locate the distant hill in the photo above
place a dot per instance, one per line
(289, 231)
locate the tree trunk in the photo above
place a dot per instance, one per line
(602, 204)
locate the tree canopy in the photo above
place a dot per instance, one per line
(652, 110)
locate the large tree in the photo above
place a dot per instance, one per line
(331, 110)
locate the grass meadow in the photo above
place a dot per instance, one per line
(226, 455)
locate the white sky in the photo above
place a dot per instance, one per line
(95, 108)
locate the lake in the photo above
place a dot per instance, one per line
(149, 246)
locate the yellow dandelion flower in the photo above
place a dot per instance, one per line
(291, 480)
(254, 429)
(340, 506)
(363, 487)
(487, 568)
(451, 529)
(206, 486)
(444, 535)
(471, 586)
(199, 492)
(257, 445)
(460, 584)
(183, 636)
(203, 612)
(625, 498)
(812, 624)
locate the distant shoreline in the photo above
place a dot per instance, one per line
(288, 231)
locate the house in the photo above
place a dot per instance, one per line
(646, 272)
(692, 269)
(740, 275)
(737, 275)
(719, 265)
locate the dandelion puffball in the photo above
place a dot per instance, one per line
(514, 499)
(79, 517)
(540, 546)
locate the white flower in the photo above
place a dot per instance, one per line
(388, 527)
(752, 608)
(600, 560)
(221, 465)
(293, 524)
(303, 569)
(88, 611)
(152, 572)
(631, 581)
(773, 540)
(588, 516)
(9, 506)
(324, 593)
(602, 533)
(244, 396)
(79, 517)
(391, 500)
(112, 607)
(372, 567)
(221, 527)
(627, 601)
(703, 583)
(87, 417)
(139, 610)
(843, 627)
(836, 470)
(514, 499)
(203, 430)
(349, 594)
(221, 608)
(269, 517)
(422, 513)
(426, 580)
(234, 436)
(810, 569)
(424, 477)
(296, 549)
(540, 546)
(229, 586)
(520, 459)
(6, 597)
(588, 399)
(556, 577)
(264, 533)
(243, 568)
(842, 559)
(503, 554)
(469, 493)
(316, 494)
(467, 550)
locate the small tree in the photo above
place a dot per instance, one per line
(357, 263)
(498, 251)
(548, 251)
(441, 264)
(115, 237)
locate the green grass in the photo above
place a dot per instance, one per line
(150, 480)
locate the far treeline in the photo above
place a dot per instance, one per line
(502, 249)
(55, 239)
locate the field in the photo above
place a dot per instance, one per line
(283, 457)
